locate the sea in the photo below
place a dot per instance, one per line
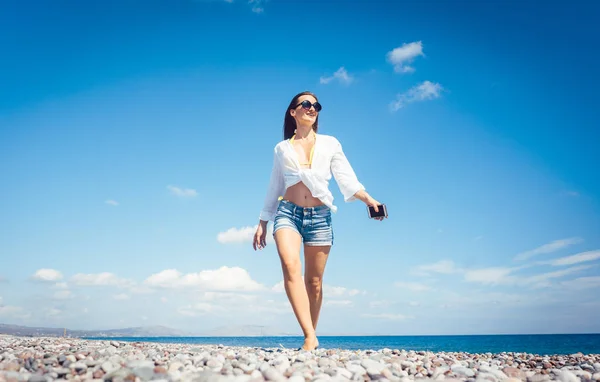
(540, 344)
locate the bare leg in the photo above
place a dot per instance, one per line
(315, 260)
(288, 246)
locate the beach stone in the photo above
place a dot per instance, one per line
(463, 371)
(597, 366)
(356, 369)
(375, 366)
(567, 376)
(37, 378)
(486, 377)
(513, 372)
(596, 377)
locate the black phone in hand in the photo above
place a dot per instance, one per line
(381, 213)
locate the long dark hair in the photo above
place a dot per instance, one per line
(289, 123)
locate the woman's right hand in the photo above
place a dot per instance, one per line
(260, 236)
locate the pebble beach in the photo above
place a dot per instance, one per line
(40, 359)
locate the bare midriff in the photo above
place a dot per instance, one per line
(300, 195)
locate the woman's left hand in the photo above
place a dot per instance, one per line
(375, 204)
(369, 201)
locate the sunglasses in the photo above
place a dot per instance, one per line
(307, 105)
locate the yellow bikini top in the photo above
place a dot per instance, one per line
(311, 151)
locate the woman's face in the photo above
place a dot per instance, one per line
(302, 115)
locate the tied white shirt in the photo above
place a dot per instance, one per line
(328, 158)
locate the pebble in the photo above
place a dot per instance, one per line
(42, 359)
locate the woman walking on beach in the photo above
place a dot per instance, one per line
(299, 203)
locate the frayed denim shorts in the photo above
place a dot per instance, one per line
(312, 223)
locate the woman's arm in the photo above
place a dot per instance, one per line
(275, 189)
(345, 176)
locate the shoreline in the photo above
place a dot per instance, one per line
(59, 358)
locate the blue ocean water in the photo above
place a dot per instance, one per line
(541, 344)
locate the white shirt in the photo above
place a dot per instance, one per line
(328, 158)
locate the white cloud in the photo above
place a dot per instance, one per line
(387, 316)
(199, 309)
(242, 235)
(494, 275)
(183, 192)
(61, 285)
(341, 75)
(12, 311)
(257, 5)
(424, 91)
(63, 295)
(414, 287)
(379, 304)
(228, 298)
(576, 259)
(503, 276)
(414, 303)
(53, 312)
(121, 296)
(279, 287)
(543, 280)
(401, 56)
(337, 291)
(442, 266)
(554, 246)
(343, 303)
(224, 279)
(163, 300)
(47, 275)
(112, 202)
(582, 282)
(100, 279)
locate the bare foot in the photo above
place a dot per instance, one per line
(310, 343)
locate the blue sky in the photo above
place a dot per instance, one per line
(136, 145)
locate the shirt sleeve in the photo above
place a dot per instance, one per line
(344, 174)
(276, 188)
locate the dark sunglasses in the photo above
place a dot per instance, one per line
(306, 105)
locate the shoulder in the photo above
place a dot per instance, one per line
(330, 139)
(279, 146)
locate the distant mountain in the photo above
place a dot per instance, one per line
(143, 331)
(246, 331)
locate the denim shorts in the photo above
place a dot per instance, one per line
(312, 223)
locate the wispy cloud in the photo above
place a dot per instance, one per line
(182, 192)
(576, 259)
(100, 279)
(425, 91)
(112, 202)
(403, 55)
(505, 276)
(554, 246)
(442, 266)
(387, 316)
(257, 5)
(412, 286)
(121, 296)
(342, 303)
(582, 283)
(493, 275)
(48, 275)
(223, 279)
(341, 75)
(62, 295)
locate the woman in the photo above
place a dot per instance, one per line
(300, 204)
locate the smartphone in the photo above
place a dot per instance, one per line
(381, 213)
